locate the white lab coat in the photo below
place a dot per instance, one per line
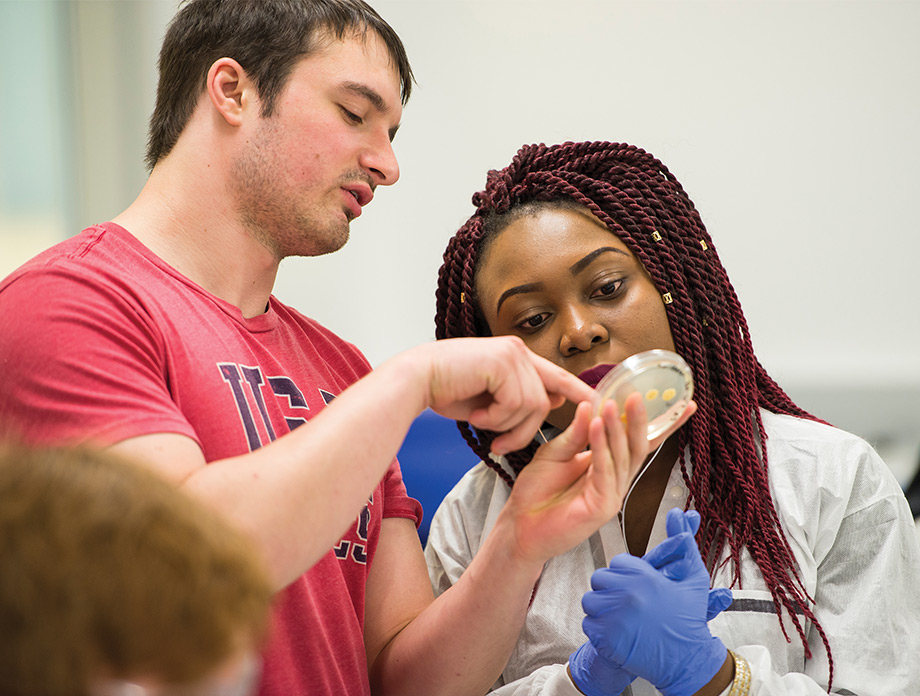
(849, 527)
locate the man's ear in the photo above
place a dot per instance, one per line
(229, 89)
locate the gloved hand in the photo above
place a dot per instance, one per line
(594, 675)
(675, 558)
(648, 615)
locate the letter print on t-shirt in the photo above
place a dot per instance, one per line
(250, 403)
(246, 384)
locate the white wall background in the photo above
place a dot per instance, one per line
(792, 124)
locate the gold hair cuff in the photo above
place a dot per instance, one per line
(741, 685)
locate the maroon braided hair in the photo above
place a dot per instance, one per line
(641, 202)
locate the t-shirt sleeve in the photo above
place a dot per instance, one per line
(81, 362)
(398, 502)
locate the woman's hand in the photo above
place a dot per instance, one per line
(650, 615)
(567, 492)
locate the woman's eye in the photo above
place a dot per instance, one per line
(534, 322)
(608, 289)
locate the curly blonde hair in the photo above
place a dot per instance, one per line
(109, 569)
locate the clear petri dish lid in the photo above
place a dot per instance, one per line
(663, 378)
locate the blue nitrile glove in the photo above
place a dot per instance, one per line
(593, 674)
(596, 676)
(668, 552)
(649, 616)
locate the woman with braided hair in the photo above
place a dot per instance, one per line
(592, 252)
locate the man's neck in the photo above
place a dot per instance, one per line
(189, 223)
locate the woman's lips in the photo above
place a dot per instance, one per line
(595, 374)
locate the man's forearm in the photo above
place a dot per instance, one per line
(461, 642)
(297, 495)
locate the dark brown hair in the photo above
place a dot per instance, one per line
(266, 37)
(108, 570)
(640, 201)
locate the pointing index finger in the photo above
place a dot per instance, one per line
(559, 382)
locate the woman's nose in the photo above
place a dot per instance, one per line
(581, 333)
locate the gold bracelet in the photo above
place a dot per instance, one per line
(741, 685)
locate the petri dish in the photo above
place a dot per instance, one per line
(663, 378)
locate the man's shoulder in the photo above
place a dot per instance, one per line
(98, 253)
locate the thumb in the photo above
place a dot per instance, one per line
(720, 599)
(685, 560)
(573, 439)
(674, 548)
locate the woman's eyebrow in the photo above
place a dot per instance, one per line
(517, 290)
(575, 268)
(580, 265)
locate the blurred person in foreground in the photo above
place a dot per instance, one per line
(113, 582)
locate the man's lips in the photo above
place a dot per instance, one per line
(595, 374)
(356, 197)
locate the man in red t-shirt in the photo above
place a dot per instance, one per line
(156, 334)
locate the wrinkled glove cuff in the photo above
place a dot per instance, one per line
(596, 676)
(700, 668)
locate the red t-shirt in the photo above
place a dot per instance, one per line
(100, 341)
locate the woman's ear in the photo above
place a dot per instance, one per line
(229, 89)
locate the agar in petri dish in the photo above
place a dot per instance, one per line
(662, 377)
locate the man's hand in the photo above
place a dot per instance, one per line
(496, 384)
